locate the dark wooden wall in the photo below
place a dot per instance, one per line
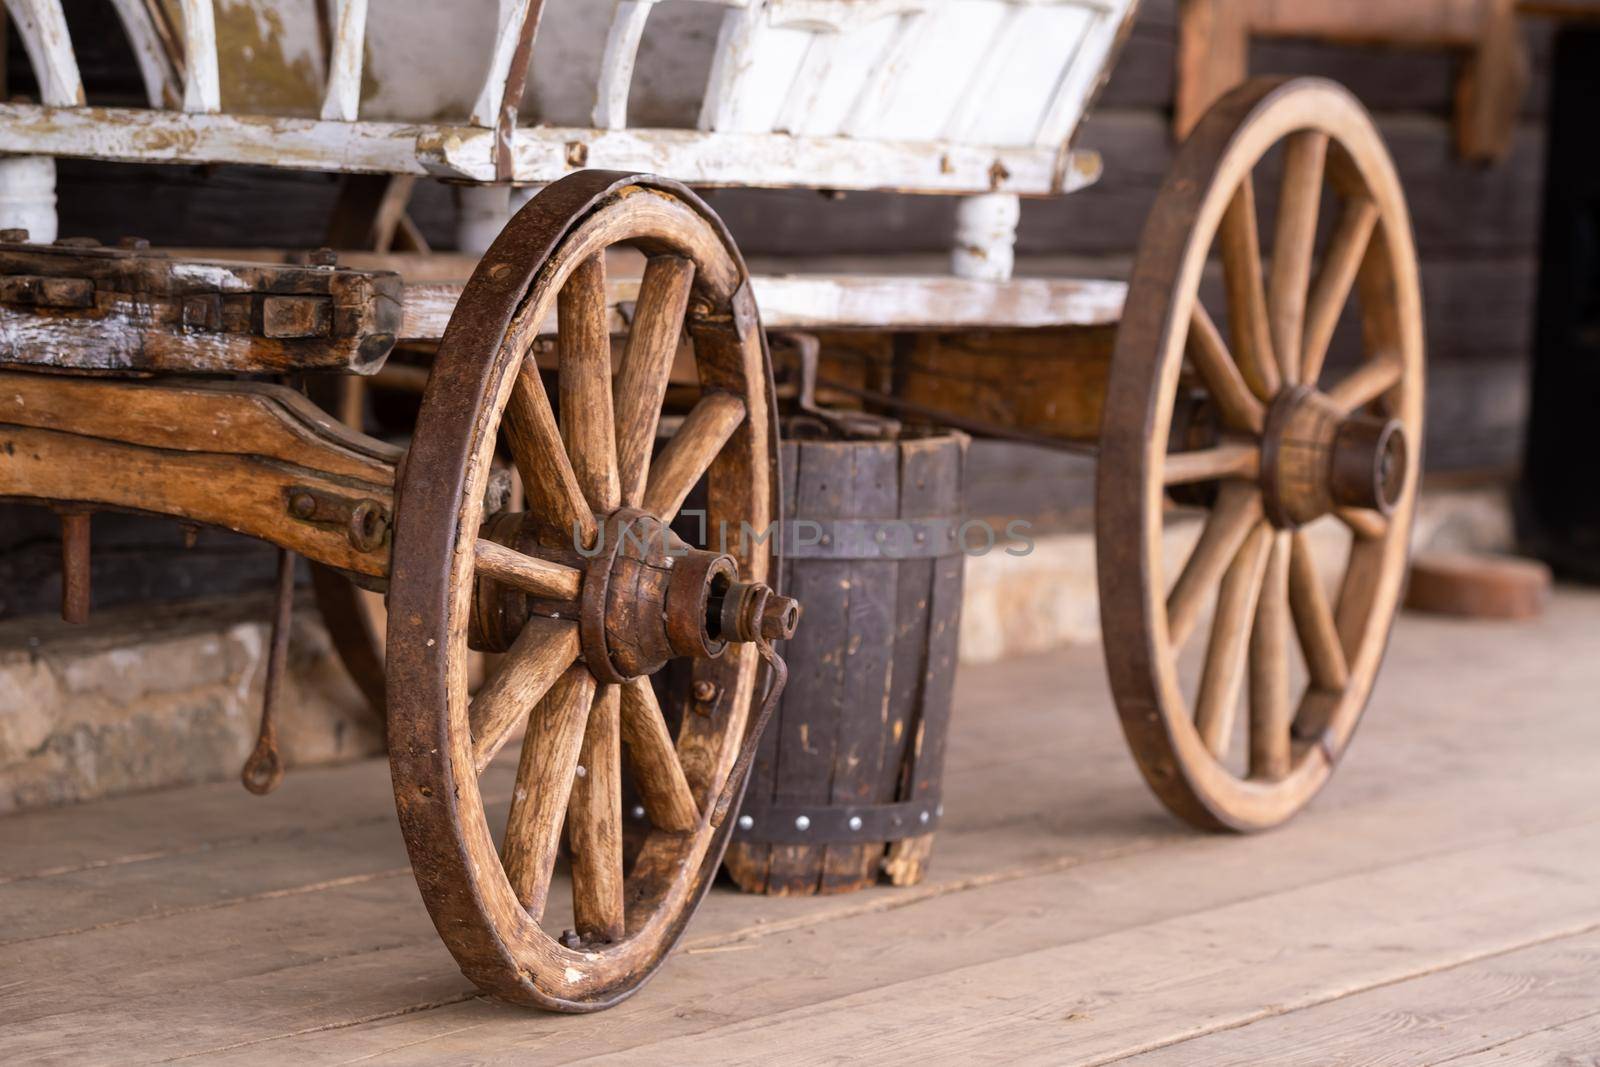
(1476, 229)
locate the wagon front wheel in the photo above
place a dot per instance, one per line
(1304, 473)
(584, 593)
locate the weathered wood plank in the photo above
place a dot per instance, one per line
(538, 153)
(1433, 1018)
(1030, 803)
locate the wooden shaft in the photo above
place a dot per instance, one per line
(654, 760)
(551, 485)
(594, 825)
(1232, 459)
(1239, 407)
(646, 364)
(545, 772)
(75, 563)
(530, 574)
(1237, 512)
(543, 649)
(1225, 653)
(1247, 296)
(1366, 383)
(1294, 241)
(1331, 291)
(1313, 620)
(1270, 709)
(690, 453)
(583, 345)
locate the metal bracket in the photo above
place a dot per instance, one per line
(365, 521)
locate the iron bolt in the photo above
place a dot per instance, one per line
(855, 822)
(746, 822)
(705, 692)
(802, 822)
(133, 244)
(323, 257)
(303, 505)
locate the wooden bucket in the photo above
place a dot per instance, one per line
(846, 785)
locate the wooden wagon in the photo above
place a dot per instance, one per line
(157, 382)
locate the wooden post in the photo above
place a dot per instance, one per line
(986, 237)
(75, 565)
(28, 196)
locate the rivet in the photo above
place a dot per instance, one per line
(802, 822)
(638, 811)
(705, 691)
(923, 818)
(746, 822)
(583, 772)
(880, 536)
(855, 822)
(304, 505)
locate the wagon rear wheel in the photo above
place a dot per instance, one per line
(582, 615)
(1232, 410)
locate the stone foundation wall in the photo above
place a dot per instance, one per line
(171, 695)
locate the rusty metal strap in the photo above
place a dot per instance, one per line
(829, 824)
(877, 538)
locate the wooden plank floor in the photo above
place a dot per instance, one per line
(1440, 903)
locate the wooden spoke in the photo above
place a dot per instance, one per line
(646, 364)
(1335, 276)
(1237, 512)
(1366, 384)
(530, 574)
(543, 649)
(654, 760)
(548, 479)
(1356, 596)
(1232, 459)
(1247, 300)
(1225, 653)
(1239, 407)
(545, 773)
(1270, 711)
(690, 452)
(584, 348)
(1366, 524)
(1313, 619)
(1293, 242)
(594, 825)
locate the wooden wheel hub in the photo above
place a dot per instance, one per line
(1315, 458)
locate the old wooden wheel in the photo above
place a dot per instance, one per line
(1247, 422)
(584, 617)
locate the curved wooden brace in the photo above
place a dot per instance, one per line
(154, 50)
(43, 27)
(202, 91)
(341, 102)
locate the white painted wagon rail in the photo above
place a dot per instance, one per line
(977, 98)
(539, 154)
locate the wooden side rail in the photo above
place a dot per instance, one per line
(131, 309)
(255, 458)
